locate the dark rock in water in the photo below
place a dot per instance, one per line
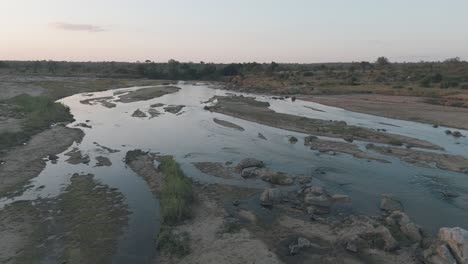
(83, 125)
(309, 139)
(153, 113)
(236, 203)
(249, 172)
(249, 162)
(400, 221)
(301, 243)
(390, 204)
(156, 105)
(206, 108)
(448, 132)
(435, 126)
(103, 161)
(457, 134)
(292, 139)
(173, 109)
(293, 98)
(449, 194)
(139, 113)
(53, 157)
(270, 196)
(260, 135)
(349, 139)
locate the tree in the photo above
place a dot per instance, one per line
(382, 61)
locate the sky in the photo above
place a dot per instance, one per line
(302, 31)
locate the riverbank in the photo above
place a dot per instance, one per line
(397, 107)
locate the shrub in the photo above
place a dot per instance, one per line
(172, 243)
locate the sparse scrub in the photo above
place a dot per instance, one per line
(172, 243)
(38, 113)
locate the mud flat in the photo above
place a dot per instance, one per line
(397, 107)
(455, 163)
(255, 111)
(24, 162)
(145, 94)
(82, 225)
(142, 163)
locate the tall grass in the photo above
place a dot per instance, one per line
(39, 113)
(176, 194)
(175, 200)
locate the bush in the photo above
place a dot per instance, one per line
(172, 243)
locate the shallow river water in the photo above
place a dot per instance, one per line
(192, 136)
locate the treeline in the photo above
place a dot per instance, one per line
(446, 74)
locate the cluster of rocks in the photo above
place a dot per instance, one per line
(317, 201)
(253, 168)
(456, 134)
(139, 113)
(173, 109)
(450, 247)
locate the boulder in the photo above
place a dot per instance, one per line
(457, 134)
(270, 196)
(309, 139)
(457, 240)
(405, 226)
(53, 157)
(301, 243)
(390, 204)
(249, 172)
(249, 162)
(321, 200)
(340, 198)
(293, 140)
(438, 254)
(139, 113)
(316, 190)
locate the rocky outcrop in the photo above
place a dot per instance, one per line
(139, 113)
(457, 240)
(301, 243)
(403, 224)
(318, 201)
(270, 196)
(248, 163)
(389, 203)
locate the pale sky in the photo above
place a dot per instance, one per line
(233, 31)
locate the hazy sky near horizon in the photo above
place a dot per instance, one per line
(233, 31)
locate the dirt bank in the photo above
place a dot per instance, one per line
(142, 163)
(398, 107)
(249, 109)
(24, 162)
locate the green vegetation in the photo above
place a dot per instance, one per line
(176, 194)
(172, 243)
(37, 113)
(176, 199)
(93, 217)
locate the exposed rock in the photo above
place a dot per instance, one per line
(250, 172)
(316, 190)
(309, 139)
(320, 200)
(156, 105)
(249, 162)
(457, 240)
(448, 132)
(293, 139)
(173, 109)
(153, 113)
(83, 125)
(228, 124)
(52, 157)
(270, 196)
(390, 204)
(457, 134)
(103, 161)
(340, 198)
(405, 226)
(302, 242)
(351, 247)
(139, 113)
(261, 136)
(438, 254)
